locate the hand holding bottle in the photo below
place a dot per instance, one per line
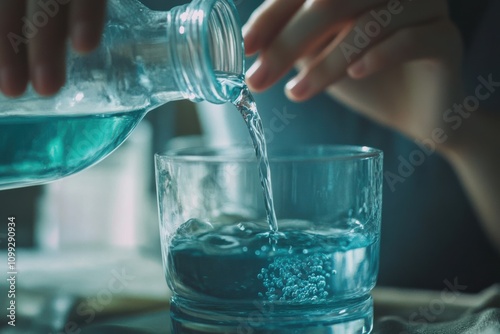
(34, 38)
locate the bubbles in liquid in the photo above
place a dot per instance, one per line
(297, 278)
(228, 263)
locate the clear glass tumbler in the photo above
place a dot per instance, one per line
(230, 274)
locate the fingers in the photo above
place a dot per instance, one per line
(270, 18)
(312, 22)
(330, 22)
(370, 29)
(33, 36)
(407, 45)
(46, 49)
(322, 71)
(86, 23)
(13, 62)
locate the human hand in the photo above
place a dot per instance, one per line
(34, 35)
(398, 62)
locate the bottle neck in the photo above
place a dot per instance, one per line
(205, 42)
(151, 57)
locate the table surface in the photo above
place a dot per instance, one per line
(87, 280)
(393, 314)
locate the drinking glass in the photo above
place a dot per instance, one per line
(230, 273)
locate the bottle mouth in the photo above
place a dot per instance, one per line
(225, 40)
(215, 48)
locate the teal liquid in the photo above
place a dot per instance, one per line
(245, 103)
(270, 276)
(39, 149)
(221, 272)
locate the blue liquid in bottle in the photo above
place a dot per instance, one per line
(39, 149)
(146, 59)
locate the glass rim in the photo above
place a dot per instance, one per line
(320, 153)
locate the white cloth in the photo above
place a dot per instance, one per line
(485, 322)
(420, 312)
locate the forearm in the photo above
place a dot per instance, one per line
(474, 152)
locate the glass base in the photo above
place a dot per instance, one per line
(353, 318)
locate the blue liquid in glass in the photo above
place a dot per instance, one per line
(270, 276)
(222, 272)
(38, 149)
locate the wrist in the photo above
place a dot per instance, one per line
(477, 135)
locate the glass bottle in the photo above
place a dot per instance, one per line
(146, 58)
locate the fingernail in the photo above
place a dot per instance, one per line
(357, 70)
(258, 74)
(250, 40)
(298, 87)
(47, 79)
(82, 37)
(12, 83)
(245, 30)
(40, 77)
(247, 27)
